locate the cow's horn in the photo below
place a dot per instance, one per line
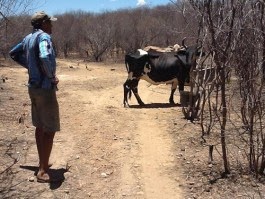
(183, 42)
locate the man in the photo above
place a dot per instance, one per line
(36, 53)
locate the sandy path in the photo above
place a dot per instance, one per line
(158, 171)
(157, 161)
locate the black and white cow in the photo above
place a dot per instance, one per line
(159, 68)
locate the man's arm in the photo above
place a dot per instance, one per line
(18, 55)
(47, 67)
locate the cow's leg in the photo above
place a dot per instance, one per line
(173, 89)
(128, 86)
(171, 98)
(135, 91)
(127, 90)
(181, 88)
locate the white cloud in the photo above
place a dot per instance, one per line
(141, 2)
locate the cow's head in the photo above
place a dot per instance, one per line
(189, 54)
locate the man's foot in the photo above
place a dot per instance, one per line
(43, 177)
(37, 171)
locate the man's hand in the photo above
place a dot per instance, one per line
(55, 80)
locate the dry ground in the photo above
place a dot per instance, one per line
(105, 150)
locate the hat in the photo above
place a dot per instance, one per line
(41, 16)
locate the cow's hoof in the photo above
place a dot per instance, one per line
(178, 104)
(140, 102)
(171, 101)
(126, 106)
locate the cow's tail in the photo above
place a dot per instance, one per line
(127, 89)
(127, 93)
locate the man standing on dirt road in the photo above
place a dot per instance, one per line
(36, 53)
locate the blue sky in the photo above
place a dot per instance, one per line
(61, 6)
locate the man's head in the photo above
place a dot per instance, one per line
(41, 20)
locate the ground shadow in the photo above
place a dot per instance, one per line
(57, 175)
(155, 105)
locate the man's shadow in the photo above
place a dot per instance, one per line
(57, 175)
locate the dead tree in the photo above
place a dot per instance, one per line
(217, 29)
(234, 35)
(10, 8)
(249, 67)
(99, 36)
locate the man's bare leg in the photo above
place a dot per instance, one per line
(38, 140)
(44, 145)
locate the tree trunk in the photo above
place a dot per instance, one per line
(223, 122)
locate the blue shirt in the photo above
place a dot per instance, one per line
(36, 53)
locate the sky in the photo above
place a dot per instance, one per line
(97, 6)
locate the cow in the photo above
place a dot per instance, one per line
(159, 68)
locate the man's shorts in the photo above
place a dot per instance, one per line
(44, 109)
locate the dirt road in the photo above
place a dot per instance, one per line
(103, 149)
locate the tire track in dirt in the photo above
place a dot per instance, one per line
(157, 161)
(156, 157)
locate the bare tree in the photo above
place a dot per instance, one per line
(99, 34)
(249, 66)
(133, 29)
(68, 33)
(10, 8)
(217, 23)
(233, 32)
